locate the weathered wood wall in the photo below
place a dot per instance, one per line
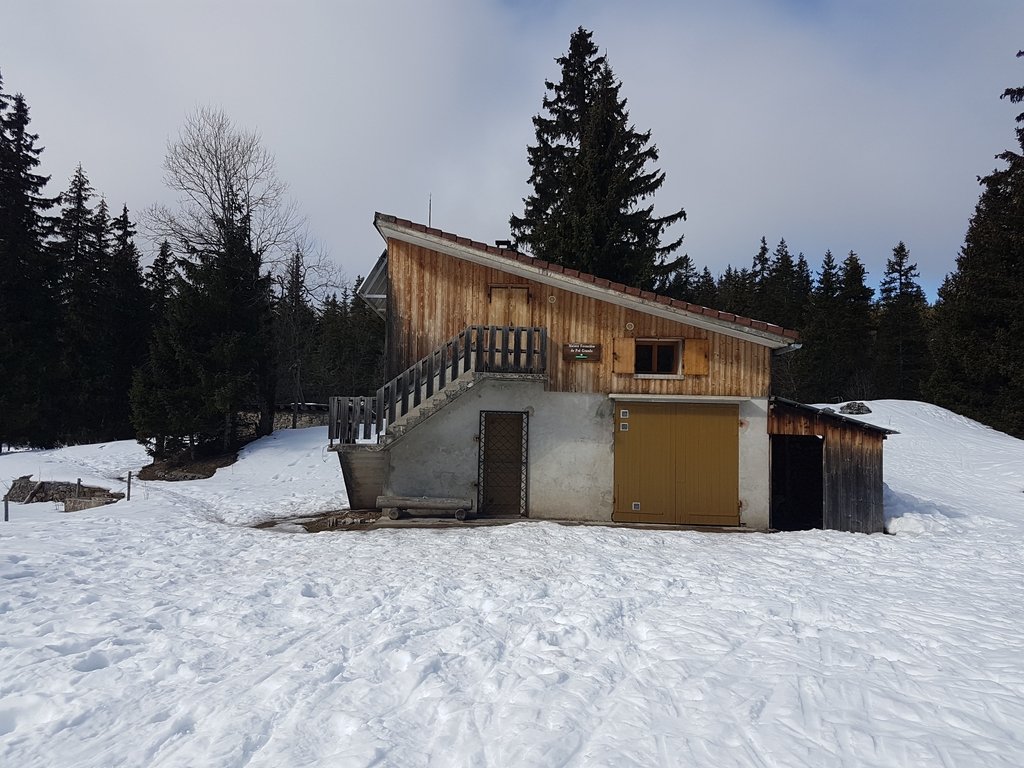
(853, 481)
(433, 296)
(852, 473)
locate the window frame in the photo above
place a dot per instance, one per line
(657, 344)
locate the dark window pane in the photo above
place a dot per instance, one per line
(666, 358)
(644, 358)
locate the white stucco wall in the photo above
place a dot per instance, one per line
(755, 477)
(569, 452)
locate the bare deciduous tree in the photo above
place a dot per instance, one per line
(223, 174)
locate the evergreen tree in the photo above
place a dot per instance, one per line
(159, 386)
(736, 291)
(854, 342)
(682, 283)
(159, 282)
(333, 367)
(821, 374)
(218, 329)
(781, 300)
(783, 291)
(804, 284)
(759, 269)
(295, 324)
(590, 179)
(74, 246)
(169, 409)
(350, 354)
(902, 360)
(978, 337)
(29, 359)
(208, 358)
(705, 292)
(224, 311)
(127, 322)
(81, 245)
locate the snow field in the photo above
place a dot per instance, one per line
(161, 632)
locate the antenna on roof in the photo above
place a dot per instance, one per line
(430, 206)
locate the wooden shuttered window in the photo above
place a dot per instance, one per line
(696, 357)
(623, 356)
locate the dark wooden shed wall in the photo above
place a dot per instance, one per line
(852, 473)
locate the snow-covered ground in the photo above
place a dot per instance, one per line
(164, 632)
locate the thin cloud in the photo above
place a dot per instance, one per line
(848, 126)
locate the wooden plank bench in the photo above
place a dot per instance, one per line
(396, 506)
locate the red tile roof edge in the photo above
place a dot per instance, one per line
(506, 253)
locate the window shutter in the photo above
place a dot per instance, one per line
(623, 352)
(696, 354)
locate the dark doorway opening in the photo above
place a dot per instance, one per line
(502, 470)
(797, 482)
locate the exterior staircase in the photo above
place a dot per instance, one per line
(436, 380)
(362, 429)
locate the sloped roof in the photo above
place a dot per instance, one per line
(581, 282)
(829, 413)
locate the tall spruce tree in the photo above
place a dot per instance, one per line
(855, 339)
(81, 245)
(902, 359)
(736, 291)
(591, 179)
(294, 333)
(29, 307)
(127, 322)
(705, 292)
(821, 374)
(759, 268)
(682, 283)
(783, 292)
(978, 336)
(159, 282)
(157, 381)
(349, 356)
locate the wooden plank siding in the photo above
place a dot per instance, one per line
(853, 481)
(433, 296)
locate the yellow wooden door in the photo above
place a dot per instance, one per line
(677, 463)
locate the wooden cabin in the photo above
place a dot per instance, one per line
(522, 388)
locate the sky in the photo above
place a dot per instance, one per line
(836, 124)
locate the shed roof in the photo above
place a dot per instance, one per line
(828, 413)
(509, 260)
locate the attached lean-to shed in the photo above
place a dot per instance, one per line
(826, 469)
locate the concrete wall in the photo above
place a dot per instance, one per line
(755, 462)
(570, 452)
(570, 460)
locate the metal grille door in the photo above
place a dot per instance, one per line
(502, 470)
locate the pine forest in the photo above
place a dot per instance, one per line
(192, 347)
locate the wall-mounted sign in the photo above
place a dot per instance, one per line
(578, 350)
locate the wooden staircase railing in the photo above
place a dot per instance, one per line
(479, 348)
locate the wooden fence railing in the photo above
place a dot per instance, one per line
(479, 348)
